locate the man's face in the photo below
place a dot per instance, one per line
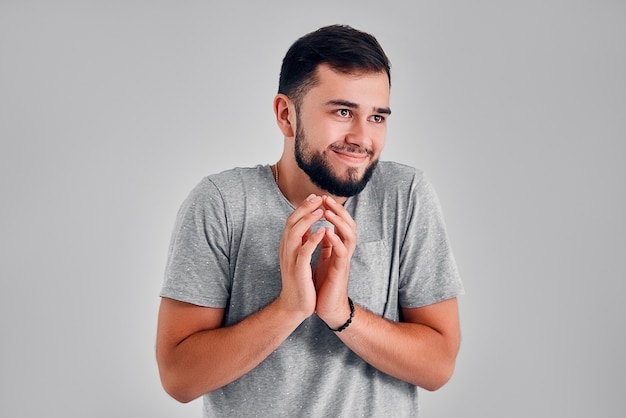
(341, 128)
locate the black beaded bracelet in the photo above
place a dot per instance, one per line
(349, 321)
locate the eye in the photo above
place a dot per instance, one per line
(377, 118)
(344, 113)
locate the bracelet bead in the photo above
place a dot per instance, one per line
(349, 321)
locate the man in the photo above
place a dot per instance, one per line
(323, 285)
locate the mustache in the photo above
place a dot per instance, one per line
(350, 149)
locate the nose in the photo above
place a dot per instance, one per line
(359, 134)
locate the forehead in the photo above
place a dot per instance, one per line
(366, 89)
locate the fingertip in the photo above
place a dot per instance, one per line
(318, 235)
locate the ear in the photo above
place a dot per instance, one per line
(285, 112)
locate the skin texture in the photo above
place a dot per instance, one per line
(342, 121)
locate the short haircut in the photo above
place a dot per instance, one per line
(341, 47)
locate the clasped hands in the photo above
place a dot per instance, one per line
(322, 288)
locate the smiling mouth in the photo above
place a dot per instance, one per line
(351, 155)
(352, 151)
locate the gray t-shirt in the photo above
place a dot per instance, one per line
(224, 254)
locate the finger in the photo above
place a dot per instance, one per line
(326, 248)
(336, 244)
(306, 236)
(345, 230)
(340, 214)
(305, 253)
(298, 232)
(339, 209)
(308, 206)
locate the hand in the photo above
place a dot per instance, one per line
(333, 268)
(296, 249)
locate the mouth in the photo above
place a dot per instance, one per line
(352, 155)
(351, 158)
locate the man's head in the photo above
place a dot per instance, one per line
(333, 102)
(342, 48)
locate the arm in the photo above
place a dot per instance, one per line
(421, 350)
(196, 354)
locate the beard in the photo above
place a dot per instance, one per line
(316, 166)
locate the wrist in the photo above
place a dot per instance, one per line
(296, 312)
(348, 321)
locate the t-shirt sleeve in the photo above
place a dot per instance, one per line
(428, 271)
(197, 269)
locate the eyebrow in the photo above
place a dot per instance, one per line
(352, 105)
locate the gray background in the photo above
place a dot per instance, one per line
(110, 112)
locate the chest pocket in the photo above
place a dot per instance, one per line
(372, 283)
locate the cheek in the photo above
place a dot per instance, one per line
(322, 134)
(378, 140)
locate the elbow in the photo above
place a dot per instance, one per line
(442, 367)
(438, 378)
(174, 383)
(180, 383)
(178, 395)
(181, 386)
(176, 390)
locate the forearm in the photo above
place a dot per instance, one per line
(212, 358)
(412, 352)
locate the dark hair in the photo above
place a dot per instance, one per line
(343, 48)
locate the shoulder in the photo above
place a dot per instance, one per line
(226, 188)
(393, 177)
(392, 172)
(238, 176)
(235, 180)
(399, 188)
